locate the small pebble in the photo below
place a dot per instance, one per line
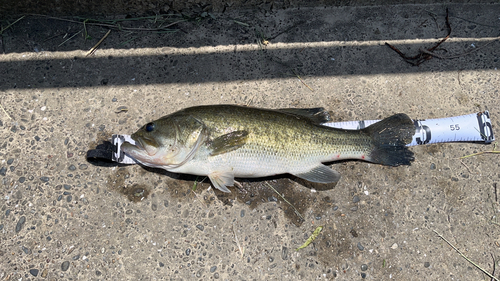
(34, 272)
(394, 246)
(364, 267)
(65, 266)
(44, 179)
(433, 166)
(22, 179)
(121, 109)
(360, 247)
(161, 264)
(355, 199)
(72, 167)
(242, 213)
(26, 250)
(154, 207)
(284, 253)
(3, 170)
(213, 269)
(10, 161)
(67, 186)
(363, 275)
(83, 167)
(68, 199)
(188, 251)
(318, 217)
(427, 264)
(114, 100)
(272, 199)
(200, 227)
(37, 138)
(20, 224)
(199, 273)
(335, 208)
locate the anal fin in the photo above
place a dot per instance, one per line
(321, 174)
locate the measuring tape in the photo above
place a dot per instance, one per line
(474, 127)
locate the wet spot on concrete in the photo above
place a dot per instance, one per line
(133, 192)
(334, 246)
(452, 191)
(434, 148)
(256, 192)
(136, 192)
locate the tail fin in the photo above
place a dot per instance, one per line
(390, 137)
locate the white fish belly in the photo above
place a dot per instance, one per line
(254, 163)
(249, 164)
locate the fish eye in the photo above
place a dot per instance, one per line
(150, 127)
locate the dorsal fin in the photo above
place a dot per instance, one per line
(317, 115)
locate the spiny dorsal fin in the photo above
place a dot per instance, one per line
(317, 115)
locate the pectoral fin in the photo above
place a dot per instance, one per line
(321, 174)
(228, 142)
(221, 180)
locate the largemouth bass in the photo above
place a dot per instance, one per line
(228, 141)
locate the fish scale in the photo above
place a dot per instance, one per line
(228, 141)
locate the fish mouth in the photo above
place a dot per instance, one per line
(139, 144)
(149, 146)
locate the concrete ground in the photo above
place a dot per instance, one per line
(65, 218)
